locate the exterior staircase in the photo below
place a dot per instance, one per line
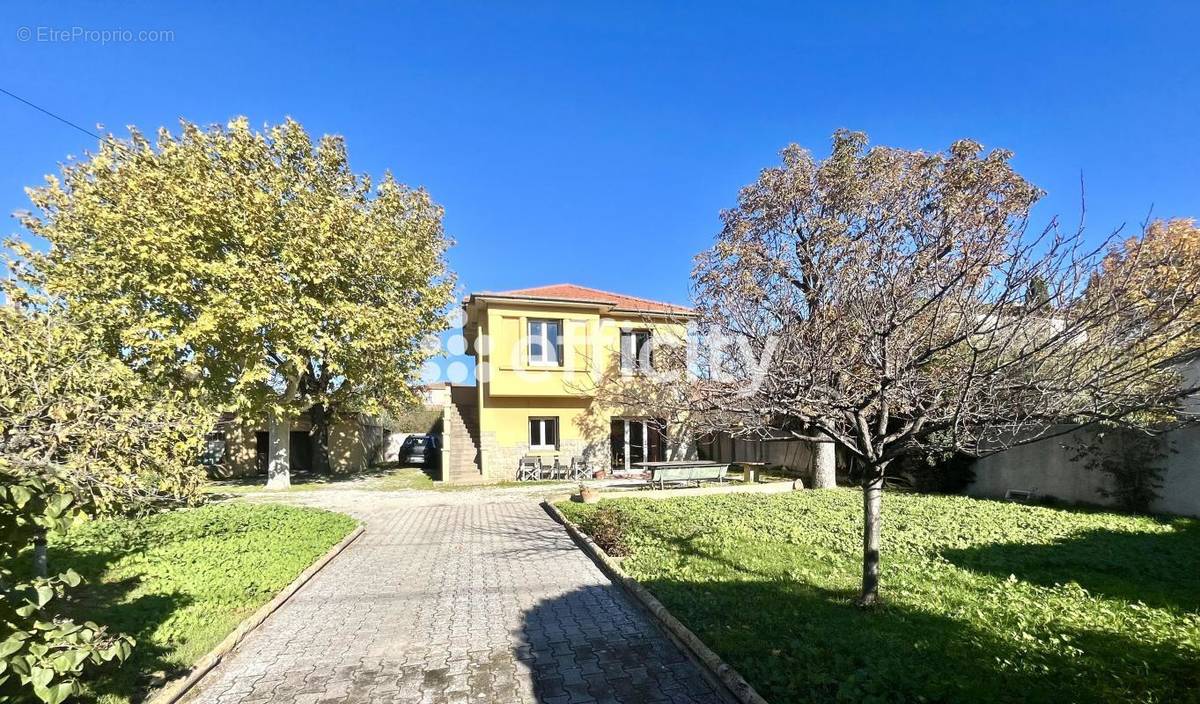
(461, 437)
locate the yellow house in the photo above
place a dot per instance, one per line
(540, 355)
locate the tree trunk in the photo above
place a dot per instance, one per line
(40, 564)
(320, 436)
(278, 463)
(872, 486)
(824, 466)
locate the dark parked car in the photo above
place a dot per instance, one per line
(420, 449)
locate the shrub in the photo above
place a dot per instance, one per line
(1132, 458)
(68, 409)
(418, 419)
(949, 473)
(42, 653)
(606, 527)
(80, 435)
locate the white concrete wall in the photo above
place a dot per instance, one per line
(389, 449)
(1045, 468)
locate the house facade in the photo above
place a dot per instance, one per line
(541, 355)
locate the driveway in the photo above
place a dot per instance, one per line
(455, 597)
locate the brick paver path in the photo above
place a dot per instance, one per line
(468, 599)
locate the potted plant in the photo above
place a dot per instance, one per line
(588, 494)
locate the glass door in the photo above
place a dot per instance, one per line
(634, 440)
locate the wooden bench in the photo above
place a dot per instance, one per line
(683, 472)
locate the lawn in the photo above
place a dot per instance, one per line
(179, 582)
(385, 478)
(985, 601)
(388, 478)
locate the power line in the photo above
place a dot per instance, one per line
(60, 118)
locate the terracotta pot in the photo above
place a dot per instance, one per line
(600, 474)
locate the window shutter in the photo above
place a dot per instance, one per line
(558, 341)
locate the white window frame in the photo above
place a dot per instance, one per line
(546, 341)
(542, 422)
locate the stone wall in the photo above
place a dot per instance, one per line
(500, 461)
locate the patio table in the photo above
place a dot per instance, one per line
(751, 471)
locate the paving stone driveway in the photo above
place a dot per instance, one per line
(480, 598)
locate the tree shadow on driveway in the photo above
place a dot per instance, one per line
(593, 644)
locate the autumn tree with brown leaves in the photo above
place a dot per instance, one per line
(880, 298)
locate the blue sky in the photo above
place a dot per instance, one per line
(596, 143)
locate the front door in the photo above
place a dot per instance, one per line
(262, 451)
(300, 451)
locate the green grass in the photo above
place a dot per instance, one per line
(384, 478)
(388, 478)
(179, 582)
(984, 601)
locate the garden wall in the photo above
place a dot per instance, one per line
(1045, 468)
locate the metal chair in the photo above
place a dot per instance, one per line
(529, 468)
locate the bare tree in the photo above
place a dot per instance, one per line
(880, 298)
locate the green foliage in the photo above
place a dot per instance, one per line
(1131, 457)
(80, 435)
(42, 653)
(69, 410)
(181, 581)
(935, 471)
(254, 266)
(415, 419)
(389, 477)
(986, 601)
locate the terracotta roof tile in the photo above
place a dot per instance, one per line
(572, 292)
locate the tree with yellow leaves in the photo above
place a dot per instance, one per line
(254, 269)
(1153, 276)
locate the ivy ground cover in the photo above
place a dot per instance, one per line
(984, 601)
(179, 582)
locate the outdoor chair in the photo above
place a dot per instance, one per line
(529, 469)
(556, 471)
(579, 469)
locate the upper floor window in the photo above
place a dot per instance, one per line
(545, 342)
(635, 351)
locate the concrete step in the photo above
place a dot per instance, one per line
(462, 430)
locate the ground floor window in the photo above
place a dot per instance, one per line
(543, 434)
(213, 453)
(636, 440)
